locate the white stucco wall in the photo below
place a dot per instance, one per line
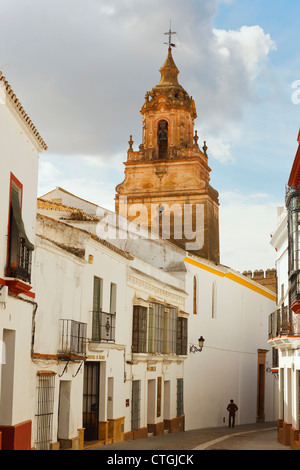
(68, 199)
(59, 283)
(64, 285)
(146, 282)
(227, 366)
(19, 153)
(15, 318)
(20, 157)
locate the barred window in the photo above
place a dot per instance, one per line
(139, 329)
(44, 415)
(275, 358)
(157, 331)
(162, 332)
(156, 328)
(136, 405)
(179, 397)
(181, 336)
(170, 330)
(158, 404)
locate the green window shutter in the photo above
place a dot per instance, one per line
(97, 304)
(16, 212)
(97, 297)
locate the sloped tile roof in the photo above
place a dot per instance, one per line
(11, 96)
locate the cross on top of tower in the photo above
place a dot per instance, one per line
(169, 33)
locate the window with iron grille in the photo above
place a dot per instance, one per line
(135, 405)
(162, 330)
(181, 336)
(19, 247)
(171, 317)
(73, 338)
(158, 399)
(179, 396)
(44, 415)
(103, 323)
(156, 328)
(139, 329)
(275, 358)
(104, 326)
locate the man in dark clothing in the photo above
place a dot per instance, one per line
(231, 408)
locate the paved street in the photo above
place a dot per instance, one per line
(244, 437)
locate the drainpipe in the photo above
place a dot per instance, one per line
(35, 307)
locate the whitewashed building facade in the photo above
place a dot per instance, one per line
(284, 324)
(130, 312)
(230, 310)
(109, 327)
(20, 146)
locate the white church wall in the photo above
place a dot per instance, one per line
(227, 367)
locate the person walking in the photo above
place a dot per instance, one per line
(232, 409)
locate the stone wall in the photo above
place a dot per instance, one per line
(266, 278)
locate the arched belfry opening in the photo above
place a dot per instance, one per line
(162, 139)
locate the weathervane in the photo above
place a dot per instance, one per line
(170, 32)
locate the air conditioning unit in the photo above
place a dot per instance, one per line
(3, 294)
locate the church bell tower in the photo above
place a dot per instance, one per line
(168, 176)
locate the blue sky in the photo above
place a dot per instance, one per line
(81, 70)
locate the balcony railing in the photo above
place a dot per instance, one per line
(73, 339)
(103, 326)
(280, 323)
(21, 267)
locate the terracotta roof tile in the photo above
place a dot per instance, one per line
(75, 213)
(11, 96)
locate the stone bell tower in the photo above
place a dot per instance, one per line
(167, 179)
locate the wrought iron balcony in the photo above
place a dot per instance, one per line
(290, 192)
(73, 339)
(20, 263)
(280, 323)
(103, 326)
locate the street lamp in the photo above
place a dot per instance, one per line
(194, 348)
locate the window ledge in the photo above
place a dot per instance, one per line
(98, 346)
(153, 358)
(16, 286)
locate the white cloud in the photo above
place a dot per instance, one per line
(246, 224)
(48, 172)
(220, 150)
(249, 45)
(104, 161)
(82, 74)
(233, 61)
(81, 70)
